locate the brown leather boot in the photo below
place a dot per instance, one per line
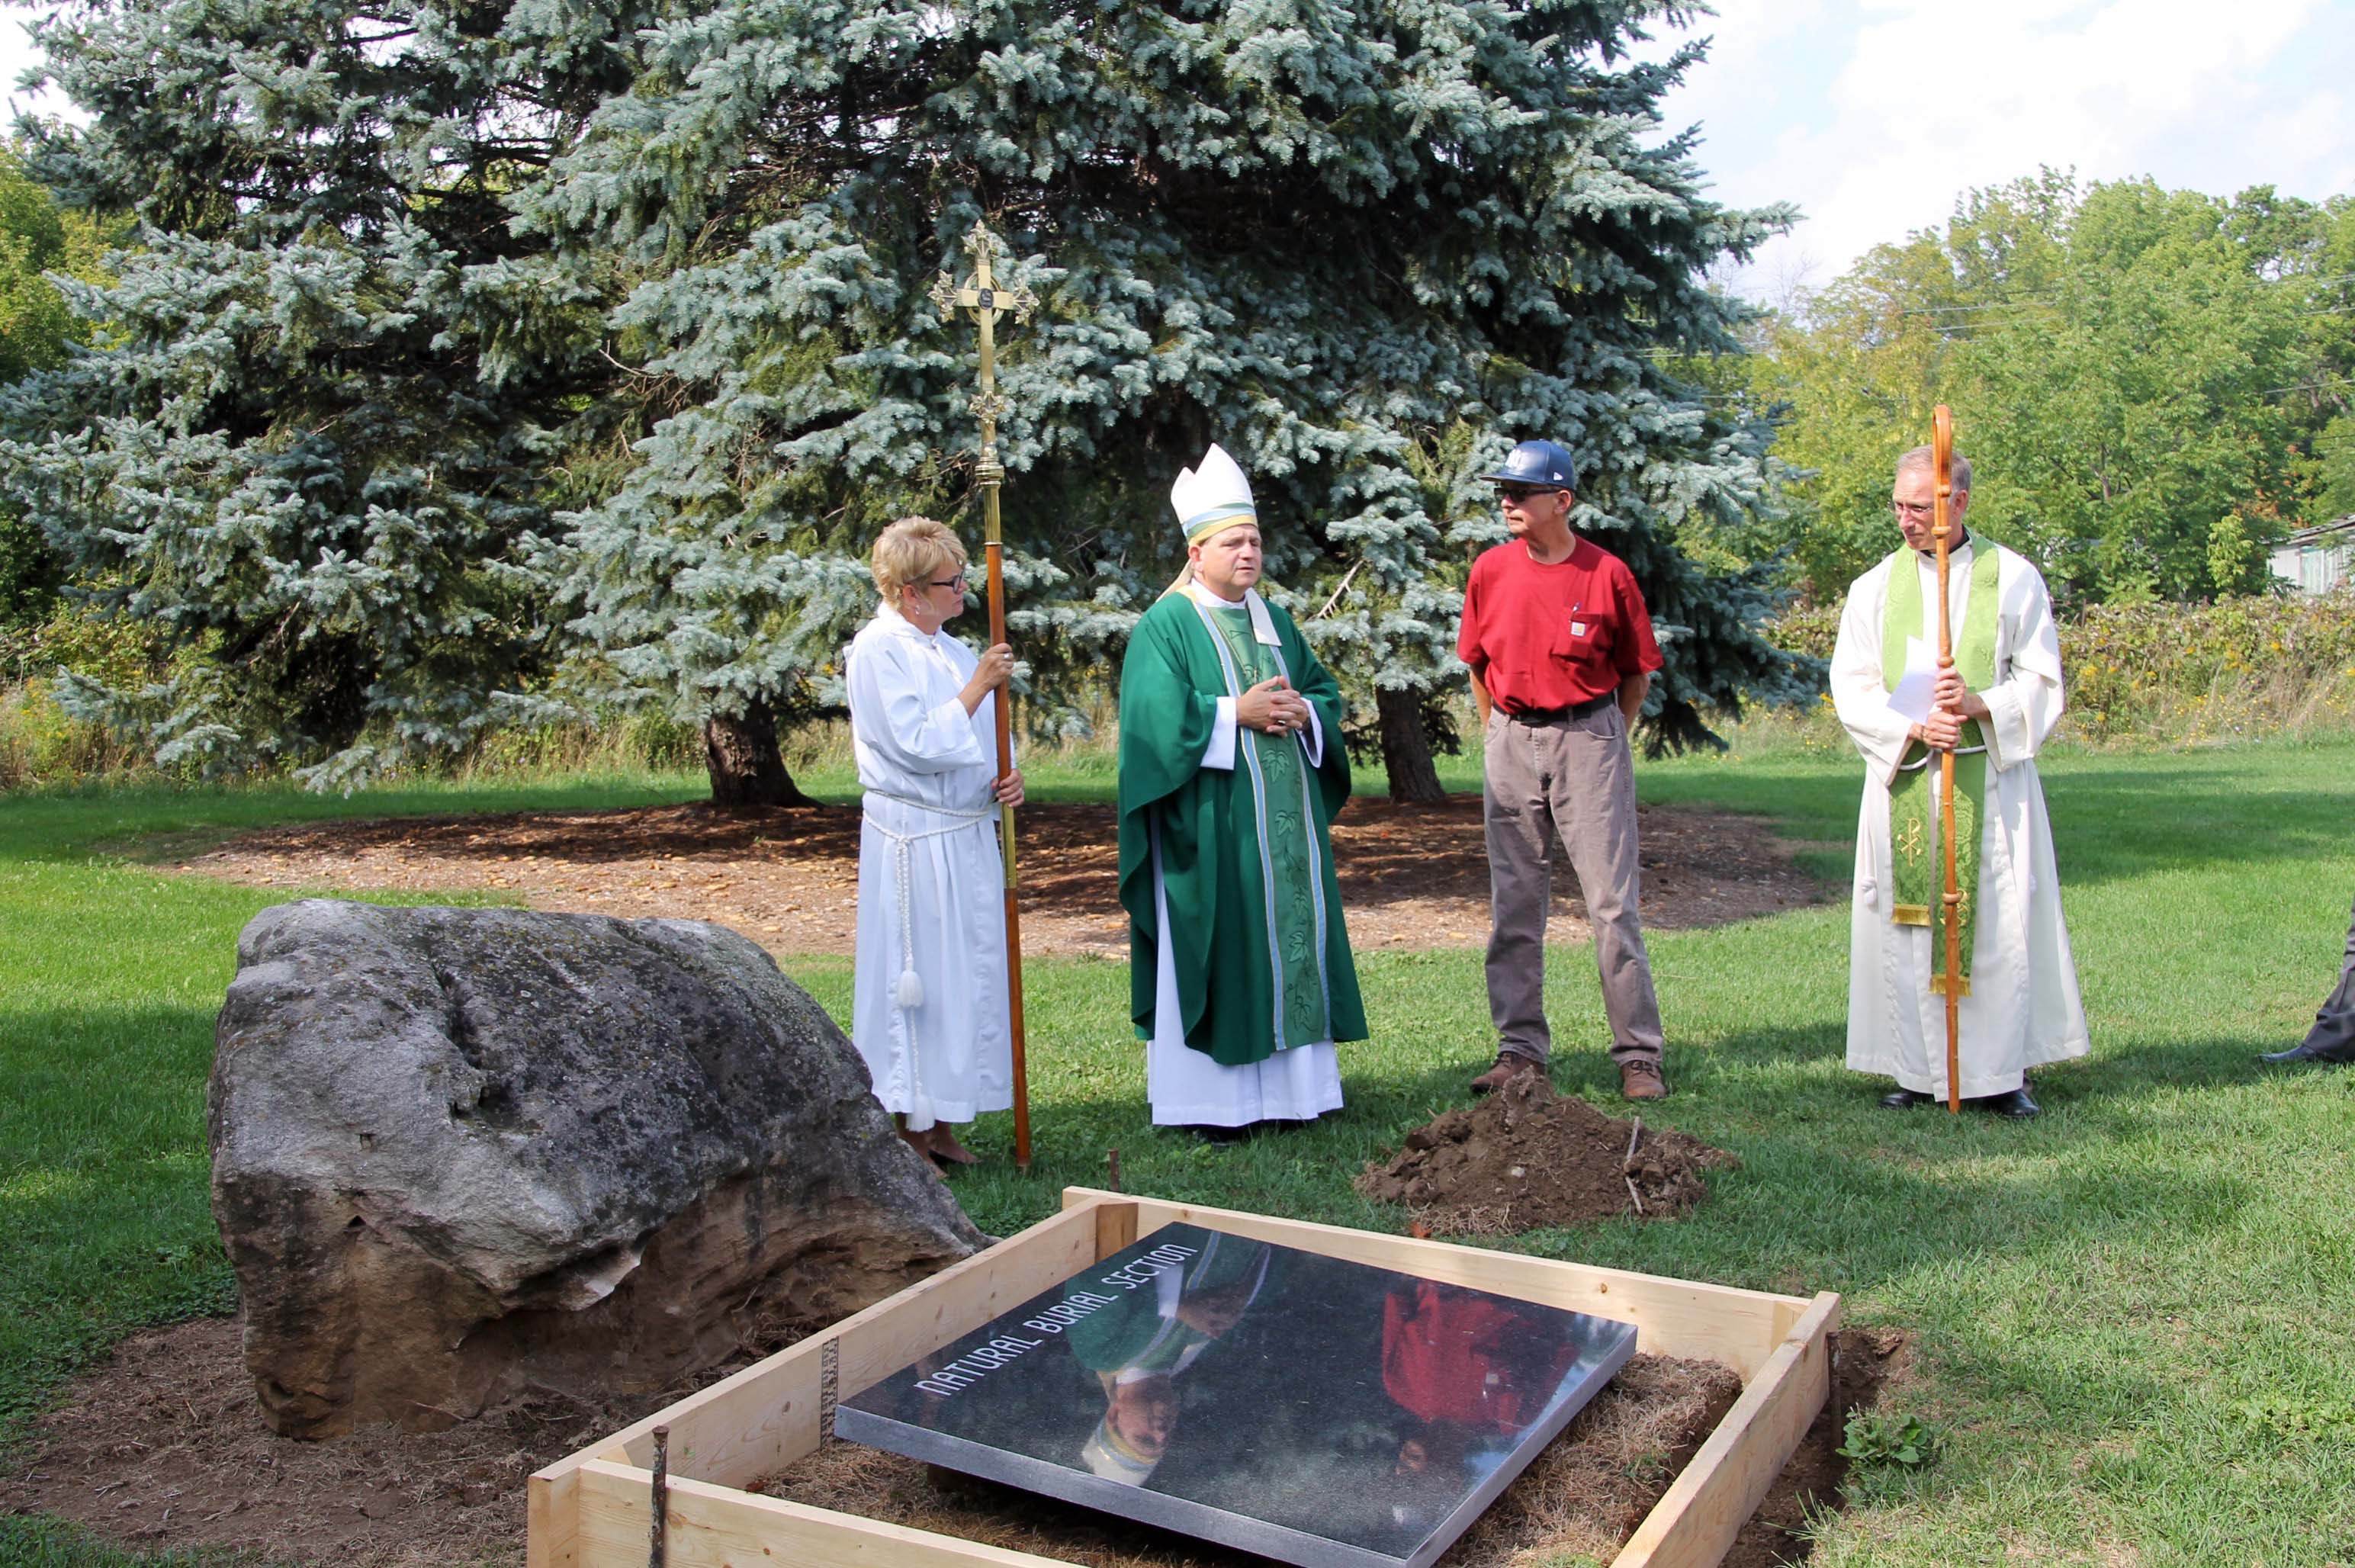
(1509, 1067)
(1642, 1080)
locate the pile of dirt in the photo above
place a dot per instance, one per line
(1527, 1158)
(1584, 1495)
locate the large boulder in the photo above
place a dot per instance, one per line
(458, 1152)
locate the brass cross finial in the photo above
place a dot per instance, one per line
(982, 296)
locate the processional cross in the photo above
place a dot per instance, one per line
(981, 296)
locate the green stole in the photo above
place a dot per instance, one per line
(1917, 856)
(1291, 879)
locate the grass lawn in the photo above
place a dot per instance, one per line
(2133, 1314)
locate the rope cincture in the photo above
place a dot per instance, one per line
(908, 992)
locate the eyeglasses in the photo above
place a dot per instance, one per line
(957, 582)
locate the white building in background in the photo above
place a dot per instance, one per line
(2317, 560)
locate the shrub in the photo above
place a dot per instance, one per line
(2237, 668)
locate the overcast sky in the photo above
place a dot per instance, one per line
(1873, 115)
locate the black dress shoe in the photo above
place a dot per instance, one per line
(1208, 1134)
(2309, 1052)
(1906, 1099)
(2015, 1104)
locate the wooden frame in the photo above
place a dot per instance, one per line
(591, 1510)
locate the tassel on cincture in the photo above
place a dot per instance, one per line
(910, 991)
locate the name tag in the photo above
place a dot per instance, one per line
(1578, 628)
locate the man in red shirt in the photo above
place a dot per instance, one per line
(1556, 634)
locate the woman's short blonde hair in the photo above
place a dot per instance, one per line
(912, 551)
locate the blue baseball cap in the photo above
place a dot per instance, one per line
(1539, 465)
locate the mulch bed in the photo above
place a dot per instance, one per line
(1528, 1158)
(164, 1447)
(1411, 876)
(161, 1447)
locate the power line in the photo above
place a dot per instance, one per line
(2309, 385)
(2022, 302)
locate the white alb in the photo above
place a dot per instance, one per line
(929, 1009)
(2024, 1008)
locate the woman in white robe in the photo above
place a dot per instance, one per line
(2024, 1008)
(930, 1013)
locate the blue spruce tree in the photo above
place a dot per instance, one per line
(286, 447)
(1365, 246)
(463, 345)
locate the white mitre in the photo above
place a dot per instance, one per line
(1212, 497)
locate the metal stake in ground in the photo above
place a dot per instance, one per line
(657, 1530)
(981, 294)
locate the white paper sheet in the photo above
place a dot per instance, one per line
(1917, 689)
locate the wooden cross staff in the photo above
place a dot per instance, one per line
(1942, 457)
(982, 296)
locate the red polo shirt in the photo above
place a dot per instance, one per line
(1549, 636)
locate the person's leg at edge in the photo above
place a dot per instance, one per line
(1518, 822)
(1595, 800)
(2332, 1038)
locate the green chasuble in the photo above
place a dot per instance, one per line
(1917, 856)
(1262, 959)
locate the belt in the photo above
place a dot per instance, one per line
(908, 991)
(1535, 716)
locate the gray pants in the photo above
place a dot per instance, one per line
(1574, 778)
(2334, 1026)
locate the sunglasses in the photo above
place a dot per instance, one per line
(1522, 492)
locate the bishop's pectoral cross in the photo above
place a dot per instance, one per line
(982, 296)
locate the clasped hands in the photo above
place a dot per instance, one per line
(1272, 707)
(1943, 731)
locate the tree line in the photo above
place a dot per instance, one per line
(413, 369)
(2152, 385)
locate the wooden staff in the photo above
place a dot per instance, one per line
(987, 300)
(1942, 455)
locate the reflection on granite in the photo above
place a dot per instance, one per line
(1323, 1413)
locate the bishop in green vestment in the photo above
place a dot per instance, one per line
(1232, 766)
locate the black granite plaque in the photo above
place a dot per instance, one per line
(1322, 1413)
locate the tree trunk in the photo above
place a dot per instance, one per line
(746, 767)
(1406, 748)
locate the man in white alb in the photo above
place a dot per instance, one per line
(2019, 1004)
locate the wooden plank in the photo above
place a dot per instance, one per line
(589, 1511)
(1672, 1316)
(1695, 1524)
(552, 1520)
(712, 1527)
(1116, 1225)
(959, 1299)
(763, 1418)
